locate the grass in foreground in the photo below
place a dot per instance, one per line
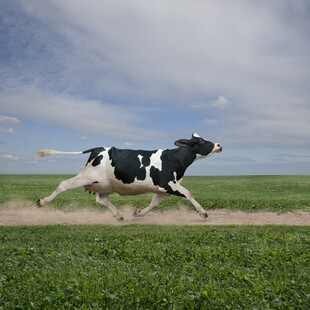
(151, 267)
(245, 193)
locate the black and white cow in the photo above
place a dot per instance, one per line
(130, 172)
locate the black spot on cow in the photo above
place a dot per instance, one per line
(127, 164)
(97, 161)
(146, 160)
(94, 153)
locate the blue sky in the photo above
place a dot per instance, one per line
(141, 74)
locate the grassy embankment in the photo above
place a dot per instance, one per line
(154, 267)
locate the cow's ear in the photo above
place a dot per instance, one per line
(182, 142)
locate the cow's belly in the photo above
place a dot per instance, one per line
(135, 188)
(131, 190)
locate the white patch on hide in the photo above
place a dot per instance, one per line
(140, 159)
(156, 161)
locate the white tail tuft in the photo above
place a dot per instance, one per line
(43, 153)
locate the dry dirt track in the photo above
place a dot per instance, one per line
(35, 216)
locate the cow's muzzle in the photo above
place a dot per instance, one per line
(218, 148)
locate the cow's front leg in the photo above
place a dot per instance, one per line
(156, 200)
(179, 190)
(104, 200)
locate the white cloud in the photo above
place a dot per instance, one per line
(74, 113)
(128, 144)
(211, 122)
(9, 120)
(4, 130)
(8, 156)
(221, 102)
(283, 123)
(207, 46)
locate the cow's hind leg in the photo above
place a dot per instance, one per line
(157, 199)
(64, 186)
(104, 200)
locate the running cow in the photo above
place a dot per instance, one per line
(130, 172)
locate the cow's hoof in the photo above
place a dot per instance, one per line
(137, 213)
(121, 218)
(203, 214)
(39, 204)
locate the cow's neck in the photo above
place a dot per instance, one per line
(185, 156)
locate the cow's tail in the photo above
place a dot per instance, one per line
(43, 153)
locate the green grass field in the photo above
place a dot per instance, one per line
(246, 193)
(154, 267)
(159, 267)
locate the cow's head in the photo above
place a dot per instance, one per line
(200, 146)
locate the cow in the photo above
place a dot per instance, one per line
(134, 172)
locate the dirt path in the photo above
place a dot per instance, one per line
(35, 216)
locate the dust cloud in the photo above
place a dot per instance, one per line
(26, 213)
